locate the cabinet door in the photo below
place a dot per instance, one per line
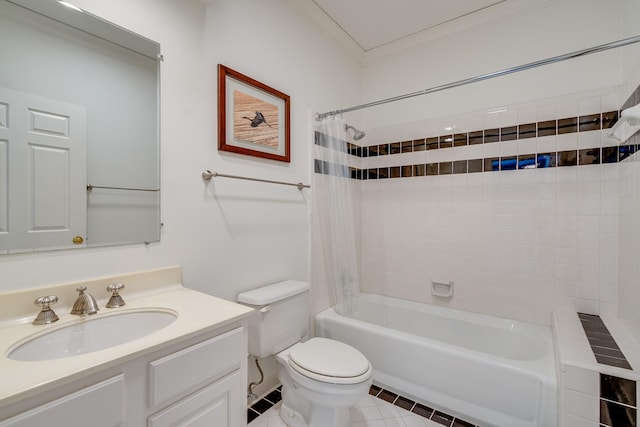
(100, 405)
(218, 404)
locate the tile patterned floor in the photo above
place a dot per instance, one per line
(371, 411)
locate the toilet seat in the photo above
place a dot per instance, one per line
(329, 361)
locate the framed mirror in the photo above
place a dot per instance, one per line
(79, 130)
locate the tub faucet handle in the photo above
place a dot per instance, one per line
(115, 300)
(46, 314)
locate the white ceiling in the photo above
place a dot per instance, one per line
(375, 23)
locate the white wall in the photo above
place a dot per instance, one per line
(229, 235)
(517, 244)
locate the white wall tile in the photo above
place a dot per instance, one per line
(610, 100)
(527, 114)
(568, 141)
(475, 151)
(574, 421)
(591, 139)
(582, 380)
(547, 112)
(582, 404)
(590, 105)
(491, 150)
(498, 231)
(568, 108)
(547, 144)
(588, 306)
(527, 146)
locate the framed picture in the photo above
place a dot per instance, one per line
(253, 118)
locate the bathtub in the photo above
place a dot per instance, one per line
(486, 370)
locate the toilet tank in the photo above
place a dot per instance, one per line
(281, 318)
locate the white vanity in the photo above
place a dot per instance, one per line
(191, 371)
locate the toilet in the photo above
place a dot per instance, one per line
(321, 378)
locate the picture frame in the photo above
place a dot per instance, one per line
(253, 118)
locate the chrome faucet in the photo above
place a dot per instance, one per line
(85, 303)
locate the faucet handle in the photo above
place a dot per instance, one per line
(46, 315)
(115, 287)
(45, 302)
(115, 300)
(81, 289)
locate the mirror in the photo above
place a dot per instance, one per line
(79, 130)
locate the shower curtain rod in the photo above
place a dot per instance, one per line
(559, 58)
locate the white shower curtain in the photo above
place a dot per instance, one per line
(334, 206)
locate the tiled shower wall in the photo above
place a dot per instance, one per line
(516, 243)
(629, 235)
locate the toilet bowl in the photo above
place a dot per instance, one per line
(321, 380)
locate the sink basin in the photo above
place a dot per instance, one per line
(92, 334)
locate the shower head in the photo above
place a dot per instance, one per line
(357, 134)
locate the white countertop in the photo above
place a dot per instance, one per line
(196, 313)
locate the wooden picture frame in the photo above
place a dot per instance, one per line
(253, 118)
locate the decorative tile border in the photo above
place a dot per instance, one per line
(264, 404)
(563, 126)
(602, 344)
(589, 156)
(418, 408)
(618, 405)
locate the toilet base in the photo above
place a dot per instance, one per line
(303, 405)
(291, 418)
(319, 416)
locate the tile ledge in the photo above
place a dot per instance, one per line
(572, 347)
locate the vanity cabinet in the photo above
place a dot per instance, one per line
(86, 405)
(196, 382)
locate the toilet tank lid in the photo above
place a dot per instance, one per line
(272, 293)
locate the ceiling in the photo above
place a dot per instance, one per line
(372, 24)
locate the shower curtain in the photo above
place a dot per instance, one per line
(334, 206)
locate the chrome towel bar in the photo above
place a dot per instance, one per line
(207, 175)
(91, 187)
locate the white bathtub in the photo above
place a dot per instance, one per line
(490, 371)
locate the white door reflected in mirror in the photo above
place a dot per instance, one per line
(44, 145)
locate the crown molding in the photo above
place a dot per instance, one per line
(326, 26)
(480, 17)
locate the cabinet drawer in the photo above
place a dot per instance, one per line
(100, 405)
(179, 373)
(214, 405)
